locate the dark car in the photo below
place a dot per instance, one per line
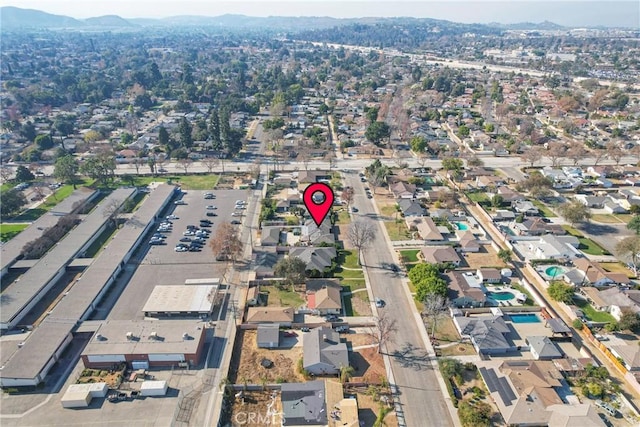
(235, 222)
(195, 249)
(205, 224)
(212, 214)
(395, 268)
(185, 239)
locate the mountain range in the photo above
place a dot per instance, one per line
(14, 18)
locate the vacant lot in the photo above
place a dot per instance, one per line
(485, 257)
(246, 367)
(409, 255)
(368, 366)
(283, 296)
(397, 230)
(262, 405)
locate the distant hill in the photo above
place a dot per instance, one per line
(108, 21)
(14, 18)
(545, 25)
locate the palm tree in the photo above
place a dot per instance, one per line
(382, 413)
(345, 373)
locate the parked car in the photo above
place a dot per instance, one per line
(181, 249)
(236, 214)
(305, 329)
(235, 222)
(179, 202)
(212, 214)
(354, 209)
(342, 329)
(172, 217)
(380, 303)
(211, 208)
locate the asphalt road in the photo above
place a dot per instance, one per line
(420, 395)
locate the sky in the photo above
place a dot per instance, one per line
(575, 13)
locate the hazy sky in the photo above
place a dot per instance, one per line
(572, 13)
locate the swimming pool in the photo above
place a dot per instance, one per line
(501, 296)
(554, 271)
(525, 318)
(462, 226)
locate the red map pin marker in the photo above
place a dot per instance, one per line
(318, 210)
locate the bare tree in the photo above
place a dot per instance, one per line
(305, 157)
(210, 163)
(6, 173)
(422, 159)
(614, 152)
(225, 243)
(435, 308)
(556, 151)
(598, 154)
(384, 331)
(576, 152)
(360, 234)
(137, 162)
(114, 211)
(185, 164)
(347, 195)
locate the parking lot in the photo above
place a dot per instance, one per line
(162, 265)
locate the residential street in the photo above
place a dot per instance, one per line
(421, 399)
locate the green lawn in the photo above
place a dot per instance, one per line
(285, 297)
(587, 245)
(343, 217)
(544, 209)
(397, 231)
(479, 197)
(347, 306)
(389, 211)
(9, 231)
(409, 255)
(32, 214)
(593, 314)
(617, 267)
(349, 260)
(606, 219)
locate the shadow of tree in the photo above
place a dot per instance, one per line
(411, 357)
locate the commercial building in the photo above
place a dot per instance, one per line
(180, 301)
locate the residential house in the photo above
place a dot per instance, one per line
(488, 275)
(316, 258)
(503, 215)
(268, 335)
(508, 195)
(489, 181)
(403, 190)
(613, 207)
(592, 274)
(542, 348)
(304, 404)
(311, 234)
(270, 235)
(264, 260)
(630, 355)
(538, 227)
(308, 177)
(427, 229)
(525, 207)
(527, 394)
(411, 207)
(323, 296)
(323, 352)
(612, 300)
(487, 333)
(467, 241)
(555, 247)
(440, 255)
(596, 202)
(465, 293)
(281, 315)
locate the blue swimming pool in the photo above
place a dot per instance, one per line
(501, 296)
(462, 226)
(525, 318)
(554, 271)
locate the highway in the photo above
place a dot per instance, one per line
(421, 399)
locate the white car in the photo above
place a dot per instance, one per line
(211, 208)
(181, 249)
(236, 214)
(241, 202)
(241, 207)
(172, 217)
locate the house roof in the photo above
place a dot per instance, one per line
(270, 235)
(411, 207)
(594, 295)
(544, 347)
(269, 333)
(439, 254)
(595, 273)
(401, 187)
(316, 258)
(485, 331)
(459, 287)
(303, 403)
(468, 240)
(629, 353)
(490, 273)
(427, 229)
(322, 345)
(615, 296)
(325, 298)
(270, 315)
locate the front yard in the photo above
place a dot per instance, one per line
(587, 245)
(591, 313)
(397, 230)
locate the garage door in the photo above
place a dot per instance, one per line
(166, 357)
(106, 358)
(140, 364)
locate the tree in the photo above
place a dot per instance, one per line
(574, 212)
(576, 152)
(347, 195)
(497, 201)
(214, 130)
(225, 243)
(435, 307)
(426, 280)
(475, 162)
(577, 324)
(210, 163)
(377, 131)
(93, 135)
(100, 167)
(555, 152)
(346, 372)
(629, 321)
(360, 234)
(505, 255)
(114, 211)
(163, 137)
(384, 331)
(614, 152)
(476, 415)
(12, 201)
(452, 164)
(185, 164)
(66, 169)
(537, 185)
(533, 155)
(28, 131)
(292, 269)
(634, 224)
(630, 247)
(44, 141)
(184, 129)
(418, 144)
(560, 292)
(64, 126)
(23, 174)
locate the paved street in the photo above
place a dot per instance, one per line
(421, 398)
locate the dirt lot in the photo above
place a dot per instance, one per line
(252, 410)
(368, 366)
(248, 369)
(471, 380)
(368, 409)
(486, 257)
(112, 378)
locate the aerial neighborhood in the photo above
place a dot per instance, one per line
(477, 264)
